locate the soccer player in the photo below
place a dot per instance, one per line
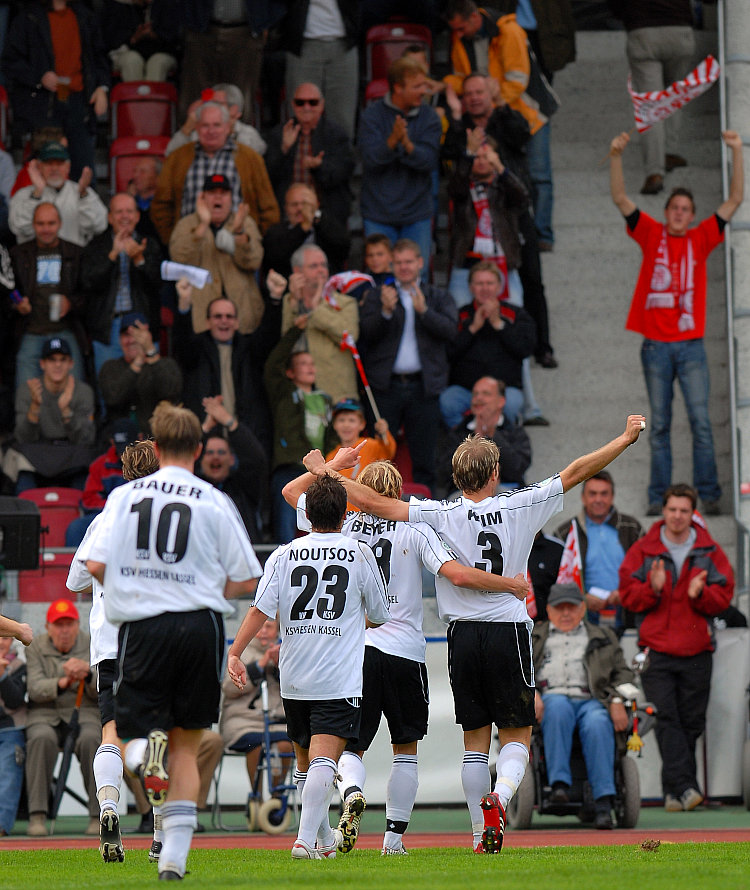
(323, 586)
(171, 545)
(138, 460)
(489, 636)
(394, 672)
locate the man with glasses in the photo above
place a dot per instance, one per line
(312, 149)
(221, 363)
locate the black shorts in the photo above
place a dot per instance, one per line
(492, 674)
(396, 688)
(106, 673)
(306, 718)
(169, 672)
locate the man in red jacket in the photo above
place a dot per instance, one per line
(680, 577)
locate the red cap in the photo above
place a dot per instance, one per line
(61, 609)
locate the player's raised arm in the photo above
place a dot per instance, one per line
(360, 495)
(584, 467)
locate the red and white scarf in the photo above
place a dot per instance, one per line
(672, 283)
(486, 245)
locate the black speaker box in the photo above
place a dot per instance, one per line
(19, 533)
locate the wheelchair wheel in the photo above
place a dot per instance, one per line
(627, 814)
(271, 820)
(251, 815)
(521, 805)
(746, 774)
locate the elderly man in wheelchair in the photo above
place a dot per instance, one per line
(580, 671)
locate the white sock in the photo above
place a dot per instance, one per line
(108, 776)
(135, 754)
(475, 778)
(315, 798)
(158, 824)
(511, 765)
(400, 794)
(326, 837)
(352, 773)
(180, 818)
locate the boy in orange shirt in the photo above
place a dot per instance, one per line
(349, 422)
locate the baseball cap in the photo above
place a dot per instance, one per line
(124, 431)
(53, 151)
(217, 181)
(61, 609)
(564, 593)
(347, 405)
(130, 318)
(54, 346)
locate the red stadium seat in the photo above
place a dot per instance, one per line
(415, 488)
(58, 507)
(47, 583)
(125, 152)
(376, 89)
(386, 43)
(143, 108)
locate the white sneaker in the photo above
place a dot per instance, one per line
(394, 851)
(329, 851)
(300, 850)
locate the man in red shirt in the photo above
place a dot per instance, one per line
(669, 309)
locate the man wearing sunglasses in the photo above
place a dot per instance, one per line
(312, 149)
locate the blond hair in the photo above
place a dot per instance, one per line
(176, 429)
(474, 462)
(383, 477)
(139, 459)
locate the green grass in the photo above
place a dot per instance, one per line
(693, 866)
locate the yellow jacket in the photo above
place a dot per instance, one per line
(508, 61)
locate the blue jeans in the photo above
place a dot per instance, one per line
(284, 516)
(540, 171)
(420, 231)
(455, 401)
(686, 361)
(103, 352)
(12, 741)
(561, 716)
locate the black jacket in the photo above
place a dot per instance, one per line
(198, 356)
(261, 15)
(331, 178)
(99, 276)
(379, 338)
(281, 240)
(28, 55)
(293, 26)
(513, 442)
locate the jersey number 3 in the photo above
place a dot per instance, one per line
(492, 553)
(331, 600)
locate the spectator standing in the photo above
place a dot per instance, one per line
(47, 273)
(349, 423)
(227, 244)
(306, 222)
(405, 331)
(328, 319)
(320, 37)
(578, 668)
(57, 662)
(55, 429)
(12, 738)
(660, 46)
(215, 151)
(669, 309)
(604, 537)
(544, 564)
(82, 213)
(311, 149)
(680, 577)
(399, 139)
(58, 73)
(140, 38)
(120, 274)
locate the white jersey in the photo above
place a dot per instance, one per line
(401, 549)
(496, 535)
(170, 541)
(321, 586)
(103, 634)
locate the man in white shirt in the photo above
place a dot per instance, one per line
(324, 588)
(394, 672)
(489, 636)
(173, 546)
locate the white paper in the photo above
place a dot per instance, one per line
(599, 592)
(195, 275)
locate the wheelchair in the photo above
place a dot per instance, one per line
(535, 790)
